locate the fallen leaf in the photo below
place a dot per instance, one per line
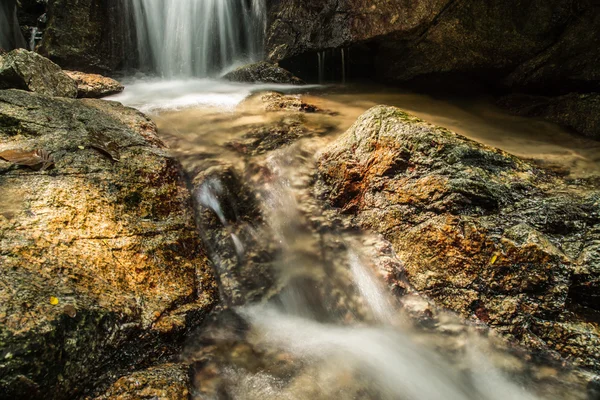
(30, 159)
(105, 145)
(81, 147)
(53, 300)
(70, 310)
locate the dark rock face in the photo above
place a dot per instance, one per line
(93, 85)
(22, 69)
(478, 230)
(10, 33)
(88, 35)
(102, 267)
(549, 45)
(580, 112)
(263, 72)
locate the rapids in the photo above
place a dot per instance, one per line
(318, 320)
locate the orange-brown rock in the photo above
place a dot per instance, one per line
(101, 267)
(480, 231)
(94, 85)
(163, 382)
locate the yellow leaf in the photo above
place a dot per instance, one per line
(53, 300)
(81, 147)
(494, 258)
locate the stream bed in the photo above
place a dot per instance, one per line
(311, 306)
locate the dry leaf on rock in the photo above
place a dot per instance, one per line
(32, 159)
(105, 145)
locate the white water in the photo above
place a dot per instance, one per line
(185, 38)
(155, 95)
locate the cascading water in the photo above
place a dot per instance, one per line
(197, 38)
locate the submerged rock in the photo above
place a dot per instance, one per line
(262, 72)
(580, 112)
(163, 382)
(22, 69)
(93, 85)
(481, 232)
(102, 267)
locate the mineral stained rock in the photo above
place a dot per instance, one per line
(481, 232)
(101, 266)
(22, 69)
(94, 85)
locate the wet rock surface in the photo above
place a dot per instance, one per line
(162, 382)
(262, 72)
(481, 232)
(22, 69)
(579, 112)
(94, 85)
(102, 269)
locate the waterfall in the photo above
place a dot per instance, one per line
(10, 32)
(197, 38)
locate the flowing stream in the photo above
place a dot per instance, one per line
(308, 310)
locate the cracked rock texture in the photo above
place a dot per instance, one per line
(101, 268)
(22, 69)
(481, 232)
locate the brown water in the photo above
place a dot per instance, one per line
(209, 128)
(306, 312)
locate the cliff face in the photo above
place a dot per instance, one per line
(545, 46)
(88, 35)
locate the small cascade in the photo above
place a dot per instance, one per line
(343, 65)
(197, 38)
(332, 65)
(35, 38)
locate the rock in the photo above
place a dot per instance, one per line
(481, 232)
(580, 112)
(22, 69)
(93, 85)
(262, 72)
(287, 124)
(541, 45)
(274, 101)
(88, 35)
(102, 266)
(163, 382)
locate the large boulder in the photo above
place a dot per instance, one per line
(93, 85)
(542, 45)
(481, 232)
(22, 69)
(88, 35)
(262, 72)
(101, 266)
